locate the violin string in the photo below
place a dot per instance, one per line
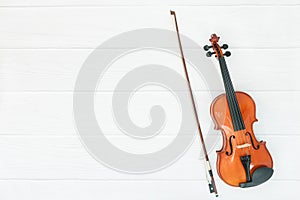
(243, 128)
(229, 101)
(241, 135)
(230, 96)
(237, 116)
(228, 90)
(245, 137)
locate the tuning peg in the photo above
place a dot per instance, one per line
(227, 53)
(206, 47)
(208, 54)
(224, 46)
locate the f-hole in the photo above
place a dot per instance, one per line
(230, 143)
(255, 147)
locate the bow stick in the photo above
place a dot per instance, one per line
(211, 182)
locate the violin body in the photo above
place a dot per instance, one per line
(237, 144)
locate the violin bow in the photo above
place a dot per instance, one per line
(211, 182)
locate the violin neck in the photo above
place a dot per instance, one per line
(235, 112)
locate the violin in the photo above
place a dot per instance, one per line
(242, 161)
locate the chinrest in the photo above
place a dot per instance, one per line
(259, 176)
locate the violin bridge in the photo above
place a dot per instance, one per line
(243, 145)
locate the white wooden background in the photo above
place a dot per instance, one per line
(42, 47)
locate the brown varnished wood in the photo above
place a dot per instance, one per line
(229, 167)
(214, 41)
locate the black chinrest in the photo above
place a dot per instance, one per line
(260, 175)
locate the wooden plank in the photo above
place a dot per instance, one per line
(148, 190)
(57, 70)
(42, 113)
(32, 3)
(65, 28)
(65, 158)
